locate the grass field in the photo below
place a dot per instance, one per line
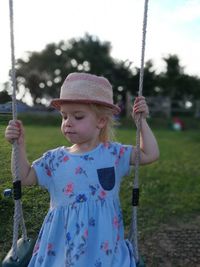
(170, 188)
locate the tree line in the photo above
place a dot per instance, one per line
(41, 73)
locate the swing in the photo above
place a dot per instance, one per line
(21, 250)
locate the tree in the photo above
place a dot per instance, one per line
(42, 73)
(4, 97)
(175, 83)
(168, 80)
(149, 81)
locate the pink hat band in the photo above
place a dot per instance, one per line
(86, 88)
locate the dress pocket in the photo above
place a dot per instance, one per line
(107, 178)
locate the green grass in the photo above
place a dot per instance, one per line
(170, 188)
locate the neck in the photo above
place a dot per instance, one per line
(84, 147)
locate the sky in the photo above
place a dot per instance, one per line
(173, 28)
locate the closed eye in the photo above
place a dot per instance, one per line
(79, 117)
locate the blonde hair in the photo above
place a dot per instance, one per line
(107, 133)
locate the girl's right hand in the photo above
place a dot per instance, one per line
(15, 131)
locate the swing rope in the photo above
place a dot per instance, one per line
(18, 212)
(133, 235)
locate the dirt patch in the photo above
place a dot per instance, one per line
(173, 246)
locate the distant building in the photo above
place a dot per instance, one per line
(21, 107)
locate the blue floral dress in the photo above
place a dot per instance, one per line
(84, 225)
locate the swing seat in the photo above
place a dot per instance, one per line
(141, 263)
(24, 253)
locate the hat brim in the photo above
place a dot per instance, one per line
(57, 102)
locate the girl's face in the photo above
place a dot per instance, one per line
(80, 125)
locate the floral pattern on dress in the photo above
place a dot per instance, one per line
(98, 193)
(81, 196)
(98, 263)
(37, 244)
(120, 155)
(50, 250)
(102, 196)
(93, 189)
(80, 170)
(36, 247)
(62, 158)
(92, 221)
(107, 145)
(117, 225)
(40, 260)
(51, 162)
(87, 158)
(75, 251)
(114, 151)
(69, 190)
(105, 247)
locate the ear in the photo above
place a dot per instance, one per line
(101, 122)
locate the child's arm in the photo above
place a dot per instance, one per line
(149, 151)
(15, 131)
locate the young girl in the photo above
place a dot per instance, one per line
(84, 225)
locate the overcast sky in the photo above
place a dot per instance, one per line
(173, 28)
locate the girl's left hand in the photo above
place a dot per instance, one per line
(140, 107)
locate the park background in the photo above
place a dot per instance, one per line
(170, 188)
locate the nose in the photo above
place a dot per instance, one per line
(68, 122)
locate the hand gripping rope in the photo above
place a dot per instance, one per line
(133, 235)
(22, 248)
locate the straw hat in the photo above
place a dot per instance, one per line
(86, 88)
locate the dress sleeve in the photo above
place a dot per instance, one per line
(44, 169)
(123, 159)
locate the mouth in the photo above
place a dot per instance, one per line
(69, 133)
